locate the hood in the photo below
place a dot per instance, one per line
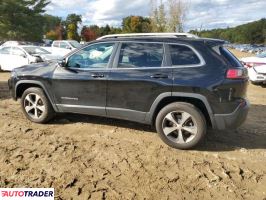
(261, 69)
(35, 69)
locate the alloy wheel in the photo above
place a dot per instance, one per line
(34, 106)
(179, 127)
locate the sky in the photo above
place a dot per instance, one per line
(205, 14)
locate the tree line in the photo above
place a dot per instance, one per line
(26, 20)
(250, 33)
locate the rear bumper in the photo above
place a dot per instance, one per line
(234, 119)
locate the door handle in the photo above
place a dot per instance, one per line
(97, 75)
(159, 76)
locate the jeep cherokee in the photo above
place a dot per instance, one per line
(181, 85)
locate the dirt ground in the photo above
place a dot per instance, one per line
(86, 157)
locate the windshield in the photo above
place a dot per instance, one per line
(75, 44)
(35, 50)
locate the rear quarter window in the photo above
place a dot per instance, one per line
(229, 57)
(183, 55)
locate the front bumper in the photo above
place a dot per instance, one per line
(234, 119)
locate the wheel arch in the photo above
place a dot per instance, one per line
(21, 86)
(197, 100)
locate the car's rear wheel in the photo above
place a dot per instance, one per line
(181, 125)
(35, 105)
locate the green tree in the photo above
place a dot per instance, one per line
(72, 22)
(136, 24)
(22, 19)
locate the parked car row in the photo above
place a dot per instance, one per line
(250, 48)
(14, 54)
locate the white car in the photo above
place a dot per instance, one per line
(256, 68)
(16, 56)
(63, 47)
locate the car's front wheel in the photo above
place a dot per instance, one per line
(181, 125)
(36, 106)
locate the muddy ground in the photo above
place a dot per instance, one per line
(85, 157)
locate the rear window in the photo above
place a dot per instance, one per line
(183, 55)
(230, 57)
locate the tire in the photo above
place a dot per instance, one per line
(181, 119)
(36, 106)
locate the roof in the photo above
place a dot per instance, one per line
(209, 41)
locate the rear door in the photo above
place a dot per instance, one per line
(139, 76)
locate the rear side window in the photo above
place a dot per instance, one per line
(136, 55)
(183, 55)
(230, 57)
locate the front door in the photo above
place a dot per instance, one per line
(81, 86)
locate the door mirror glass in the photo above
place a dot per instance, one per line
(62, 63)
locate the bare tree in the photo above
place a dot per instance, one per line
(158, 16)
(172, 20)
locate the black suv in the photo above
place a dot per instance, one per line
(181, 85)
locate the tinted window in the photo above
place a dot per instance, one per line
(94, 56)
(183, 55)
(5, 50)
(230, 57)
(134, 55)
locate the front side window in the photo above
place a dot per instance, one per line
(18, 52)
(137, 55)
(94, 56)
(183, 55)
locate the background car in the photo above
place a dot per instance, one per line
(16, 56)
(256, 66)
(62, 47)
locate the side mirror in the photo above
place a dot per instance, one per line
(62, 63)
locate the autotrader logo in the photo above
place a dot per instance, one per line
(26, 193)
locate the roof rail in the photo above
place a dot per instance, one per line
(187, 35)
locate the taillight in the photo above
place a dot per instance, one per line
(236, 73)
